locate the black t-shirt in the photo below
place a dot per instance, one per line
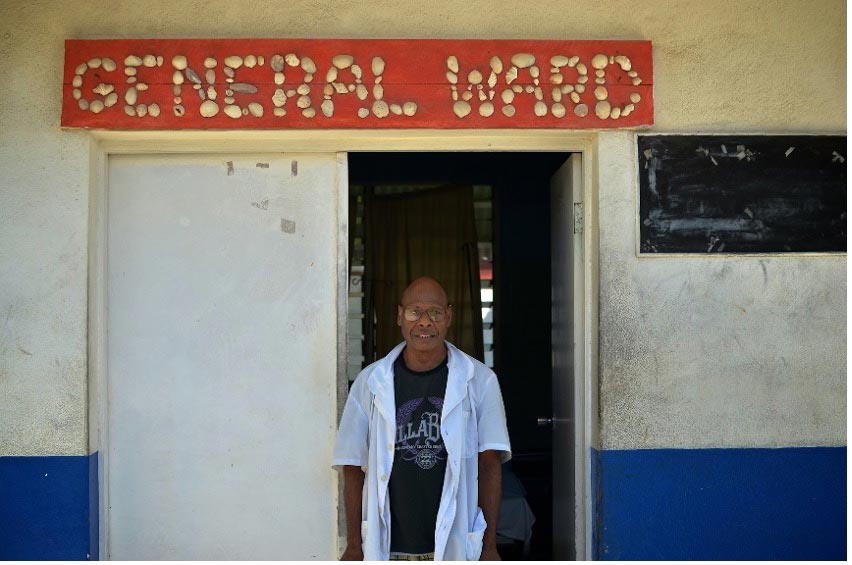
(420, 457)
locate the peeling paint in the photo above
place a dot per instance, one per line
(262, 205)
(288, 226)
(262, 165)
(230, 165)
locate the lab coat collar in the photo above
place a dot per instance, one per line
(380, 383)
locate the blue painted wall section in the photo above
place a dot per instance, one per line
(707, 504)
(44, 507)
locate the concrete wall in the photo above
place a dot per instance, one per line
(743, 353)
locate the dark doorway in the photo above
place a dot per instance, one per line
(516, 187)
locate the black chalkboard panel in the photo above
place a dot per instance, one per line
(742, 194)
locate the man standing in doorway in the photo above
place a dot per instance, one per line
(421, 441)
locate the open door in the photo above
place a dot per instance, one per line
(222, 346)
(566, 190)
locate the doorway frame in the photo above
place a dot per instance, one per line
(104, 143)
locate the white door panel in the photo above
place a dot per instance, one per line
(222, 341)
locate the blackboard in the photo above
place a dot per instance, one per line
(742, 194)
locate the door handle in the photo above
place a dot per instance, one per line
(545, 422)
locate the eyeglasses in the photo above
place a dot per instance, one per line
(435, 314)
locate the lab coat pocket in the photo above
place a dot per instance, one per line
(471, 441)
(473, 548)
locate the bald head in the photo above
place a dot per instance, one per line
(425, 289)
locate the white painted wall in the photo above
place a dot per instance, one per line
(745, 66)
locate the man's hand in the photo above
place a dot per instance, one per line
(489, 553)
(353, 553)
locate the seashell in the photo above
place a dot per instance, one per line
(130, 71)
(615, 113)
(131, 61)
(517, 89)
(556, 94)
(396, 109)
(534, 71)
(461, 108)
(528, 88)
(511, 75)
(328, 90)
(210, 76)
(191, 75)
(466, 95)
(177, 77)
(378, 91)
(76, 94)
(508, 96)
(600, 61)
(572, 62)
(210, 62)
(279, 112)
(229, 92)
(357, 72)
(154, 110)
(260, 60)
(409, 108)
(361, 92)
(581, 110)
(308, 77)
(581, 88)
(292, 60)
(179, 110)
(454, 93)
(539, 95)
(627, 110)
(342, 61)
(558, 110)
(380, 108)
(303, 89)
(234, 61)
(634, 97)
(94, 63)
(130, 96)
(540, 109)
(331, 75)
(350, 88)
(523, 60)
(308, 65)
(600, 73)
(291, 93)
(141, 110)
(340, 88)
(581, 68)
(108, 64)
(600, 81)
(637, 81)
(179, 62)
(496, 65)
(279, 78)
(141, 86)
(582, 79)
(575, 98)
(208, 109)
(250, 61)
(623, 62)
(453, 63)
(96, 107)
(474, 77)
(378, 66)
(303, 102)
(452, 78)
(244, 87)
(111, 99)
(229, 72)
(81, 69)
(279, 98)
(327, 108)
(77, 81)
(486, 109)
(233, 111)
(148, 61)
(228, 100)
(559, 61)
(482, 96)
(159, 60)
(509, 111)
(601, 93)
(211, 93)
(83, 104)
(277, 63)
(363, 112)
(602, 109)
(492, 79)
(202, 94)
(632, 74)
(130, 110)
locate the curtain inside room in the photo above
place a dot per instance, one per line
(428, 232)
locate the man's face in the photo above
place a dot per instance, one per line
(423, 333)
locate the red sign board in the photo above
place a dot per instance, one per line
(336, 83)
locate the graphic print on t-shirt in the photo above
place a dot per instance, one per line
(418, 432)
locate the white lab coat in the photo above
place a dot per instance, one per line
(472, 420)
